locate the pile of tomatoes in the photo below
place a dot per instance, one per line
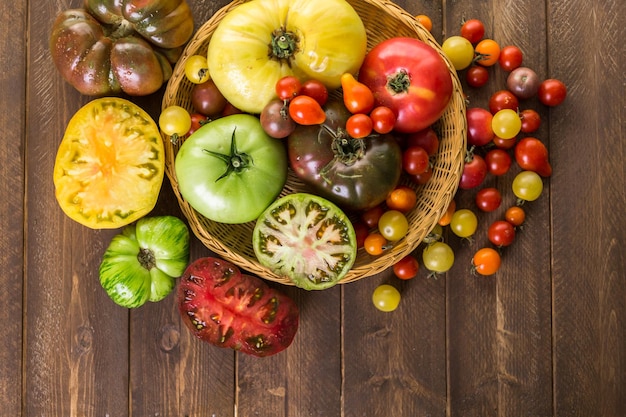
(500, 134)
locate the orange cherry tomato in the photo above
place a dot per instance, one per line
(357, 97)
(375, 244)
(515, 215)
(425, 21)
(487, 52)
(486, 261)
(402, 198)
(447, 215)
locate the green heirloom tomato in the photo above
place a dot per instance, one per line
(230, 170)
(115, 46)
(261, 41)
(142, 263)
(306, 238)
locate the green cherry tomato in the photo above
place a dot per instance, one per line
(393, 225)
(506, 124)
(527, 186)
(142, 262)
(386, 298)
(438, 257)
(464, 223)
(459, 51)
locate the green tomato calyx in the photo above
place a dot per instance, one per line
(235, 161)
(283, 44)
(399, 82)
(146, 258)
(346, 149)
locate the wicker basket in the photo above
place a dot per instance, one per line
(383, 19)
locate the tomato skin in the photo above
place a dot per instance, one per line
(319, 41)
(474, 172)
(503, 99)
(142, 262)
(226, 308)
(479, 131)
(459, 51)
(207, 99)
(487, 52)
(276, 120)
(498, 161)
(501, 233)
(464, 223)
(356, 174)
(306, 111)
(415, 160)
(197, 120)
(510, 58)
(473, 30)
(197, 69)
(406, 268)
(375, 244)
(488, 199)
(438, 257)
(315, 89)
(393, 225)
(523, 82)
(359, 125)
(515, 215)
(138, 64)
(411, 78)
(486, 261)
(426, 138)
(403, 199)
(552, 92)
(383, 119)
(532, 155)
(386, 298)
(477, 76)
(357, 97)
(231, 185)
(288, 87)
(527, 186)
(531, 120)
(425, 21)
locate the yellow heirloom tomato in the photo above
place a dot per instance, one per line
(261, 41)
(109, 166)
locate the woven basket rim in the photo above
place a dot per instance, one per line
(448, 165)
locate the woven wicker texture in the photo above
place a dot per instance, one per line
(383, 20)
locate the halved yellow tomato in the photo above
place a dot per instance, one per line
(261, 41)
(109, 166)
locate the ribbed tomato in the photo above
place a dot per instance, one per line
(229, 309)
(109, 166)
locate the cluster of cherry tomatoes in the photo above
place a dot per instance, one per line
(500, 134)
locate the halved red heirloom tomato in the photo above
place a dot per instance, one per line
(229, 309)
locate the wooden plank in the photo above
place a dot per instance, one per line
(499, 327)
(588, 200)
(12, 122)
(76, 338)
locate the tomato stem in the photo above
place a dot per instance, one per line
(283, 44)
(235, 161)
(146, 258)
(399, 82)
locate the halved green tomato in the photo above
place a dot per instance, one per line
(307, 239)
(109, 166)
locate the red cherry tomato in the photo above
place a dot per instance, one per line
(383, 119)
(498, 161)
(479, 130)
(406, 268)
(532, 155)
(197, 120)
(474, 172)
(501, 233)
(371, 216)
(477, 76)
(488, 199)
(415, 160)
(510, 58)
(504, 143)
(305, 110)
(473, 30)
(503, 99)
(315, 89)
(359, 125)
(288, 87)
(422, 178)
(552, 92)
(531, 120)
(361, 230)
(426, 138)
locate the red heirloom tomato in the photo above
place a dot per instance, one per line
(226, 308)
(129, 46)
(355, 174)
(411, 78)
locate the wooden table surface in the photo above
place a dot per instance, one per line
(545, 336)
